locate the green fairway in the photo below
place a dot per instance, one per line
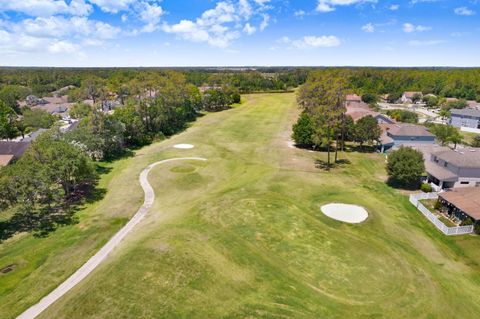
(242, 236)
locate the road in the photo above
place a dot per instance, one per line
(102, 254)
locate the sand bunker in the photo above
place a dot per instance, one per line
(345, 213)
(184, 146)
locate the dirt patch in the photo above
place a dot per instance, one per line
(163, 248)
(7, 269)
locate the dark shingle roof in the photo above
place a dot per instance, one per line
(13, 148)
(467, 158)
(409, 130)
(465, 112)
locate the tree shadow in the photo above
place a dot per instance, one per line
(361, 149)
(402, 186)
(43, 221)
(323, 165)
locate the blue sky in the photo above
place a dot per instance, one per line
(239, 32)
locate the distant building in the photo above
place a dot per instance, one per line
(358, 110)
(398, 134)
(11, 151)
(454, 168)
(473, 104)
(353, 98)
(465, 118)
(408, 97)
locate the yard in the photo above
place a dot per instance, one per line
(242, 236)
(430, 205)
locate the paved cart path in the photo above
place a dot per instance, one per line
(102, 254)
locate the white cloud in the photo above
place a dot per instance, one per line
(425, 43)
(4, 36)
(62, 47)
(113, 6)
(394, 7)
(369, 28)
(45, 8)
(58, 27)
(464, 11)
(310, 41)
(248, 29)
(223, 24)
(265, 21)
(284, 40)
(409, 28)
(299, 13)
(329, 5)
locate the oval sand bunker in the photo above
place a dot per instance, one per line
(352, 214)
(184, 146)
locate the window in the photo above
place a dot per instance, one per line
(464, 183)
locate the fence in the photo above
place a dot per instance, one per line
(459, 230)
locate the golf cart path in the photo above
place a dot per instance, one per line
(102, 254)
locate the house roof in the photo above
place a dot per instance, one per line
(439, 172)
(16, 149)
(353, 98)
(465, 112)
(466, 199)
(473, 104)
(411, 94)
(5, 159)
(357, 110)
(385, 139)
(451, 99)
(464, 158)
(402, 129)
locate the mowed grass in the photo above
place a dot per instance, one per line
(242, 236)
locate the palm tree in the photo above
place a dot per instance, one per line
(455, 138)
(444, 113)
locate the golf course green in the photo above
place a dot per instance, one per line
(241, 235)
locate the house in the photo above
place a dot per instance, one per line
(205, 88)
(461, 203)
(398, 134)
(11, 151)
(353, 98)
(358, 110)
(473, 104)
(408, 97)
(454, 168)
(465, 118)
(32, 100)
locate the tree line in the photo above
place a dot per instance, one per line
(40, 191)
(324, 123)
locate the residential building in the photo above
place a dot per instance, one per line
(11, 151)
(465, 118)
(473, 104)
(353, 98)
(398, 134)
(461, 203)
(454, 168)
(408, 97)
(357, 110)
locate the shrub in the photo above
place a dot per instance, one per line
(303, 131)
(476, 229)
(467, 222)
(405, 166)
(437, 205)
(426, 188)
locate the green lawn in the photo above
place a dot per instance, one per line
(242, 236)
(468, 137)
